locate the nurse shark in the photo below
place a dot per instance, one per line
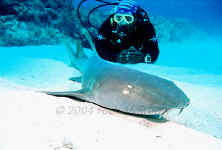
(114, 86)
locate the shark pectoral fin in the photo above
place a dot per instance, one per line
(82, 95)
(79, 50)
(76, 79)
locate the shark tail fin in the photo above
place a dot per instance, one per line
(77, 58)
(89, 39)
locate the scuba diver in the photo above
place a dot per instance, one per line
(127, 36)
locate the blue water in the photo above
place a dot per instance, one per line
(207, 13)
(203, 54)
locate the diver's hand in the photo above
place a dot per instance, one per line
(130, 56)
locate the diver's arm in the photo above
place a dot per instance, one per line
(105, 49)
(149, 41)
(152, 50)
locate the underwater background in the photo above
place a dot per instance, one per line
(189, 34)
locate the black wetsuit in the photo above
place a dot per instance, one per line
(142, 37)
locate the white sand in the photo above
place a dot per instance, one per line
(32, 120)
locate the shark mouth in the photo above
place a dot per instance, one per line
(162, 112)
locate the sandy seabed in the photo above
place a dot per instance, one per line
(32, 120)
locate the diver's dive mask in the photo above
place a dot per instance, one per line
(124, 19)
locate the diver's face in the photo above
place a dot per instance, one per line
(124, 22)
